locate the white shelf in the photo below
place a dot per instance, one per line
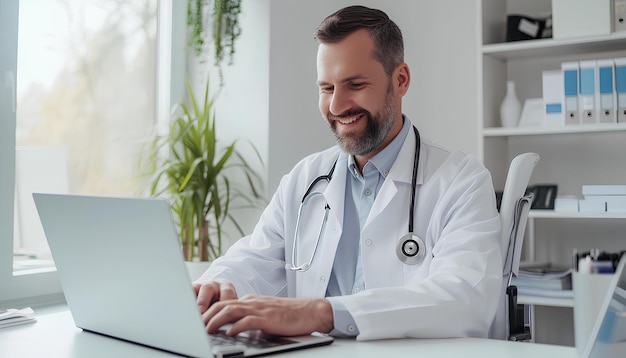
(531, 131)
(551, 214)
(548, 47)
(563, 150)
(546, 301)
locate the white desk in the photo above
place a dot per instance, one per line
(54, 335)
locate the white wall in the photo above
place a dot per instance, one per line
(242, 106)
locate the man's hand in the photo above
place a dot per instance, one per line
(273, 315)
(214, 291)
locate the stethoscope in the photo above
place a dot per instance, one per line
(410, 249)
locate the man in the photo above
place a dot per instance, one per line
(382, 236)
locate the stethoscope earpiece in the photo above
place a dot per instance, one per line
(410, 249)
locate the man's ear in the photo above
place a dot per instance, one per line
(402, 78)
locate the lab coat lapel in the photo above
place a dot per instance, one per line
(315, 281)
(335, 192)
(401, 172)
(388, 220)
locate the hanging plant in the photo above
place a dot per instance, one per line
(223, 18)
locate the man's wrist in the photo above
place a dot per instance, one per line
(324, 312)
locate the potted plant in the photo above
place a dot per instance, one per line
(191, 170)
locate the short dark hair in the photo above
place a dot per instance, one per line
(388, 42)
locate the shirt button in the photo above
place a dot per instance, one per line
(385, 173)
(367, 192)
(322, 278)
(351, 328)
(357, 290)
(368, 242)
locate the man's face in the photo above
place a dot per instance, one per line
(357, 97)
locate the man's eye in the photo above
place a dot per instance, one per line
(327, 89)
(357, 85)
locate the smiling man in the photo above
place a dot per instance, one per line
(386, 235)
(360, 100)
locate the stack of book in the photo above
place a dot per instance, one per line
(13, 317)
(603, 198)
(544, 280)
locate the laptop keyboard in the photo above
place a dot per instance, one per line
(254, 340)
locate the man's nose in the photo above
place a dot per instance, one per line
(340, 102)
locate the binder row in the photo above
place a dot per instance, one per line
(585, 92)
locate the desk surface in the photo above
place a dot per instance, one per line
(54, 335)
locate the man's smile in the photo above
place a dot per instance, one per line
(349, 119)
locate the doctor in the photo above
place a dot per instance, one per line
(385, 235)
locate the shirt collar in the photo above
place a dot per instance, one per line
(384, 159)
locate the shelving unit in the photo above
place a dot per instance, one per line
(568, 300)
(531, 131)
(551, 214)
(548, 47)
(548, 301)
(571, 156)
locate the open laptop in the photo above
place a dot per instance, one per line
(608, 336)
(123, 275)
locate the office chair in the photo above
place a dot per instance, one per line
(509, 322)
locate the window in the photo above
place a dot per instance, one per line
(82, 91)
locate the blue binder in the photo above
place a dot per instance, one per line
(570, 90)
(606, 99)
(587, 92)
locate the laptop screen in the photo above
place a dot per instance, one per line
(123, 275)
(609, 333)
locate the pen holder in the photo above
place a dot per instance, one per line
(589, 293)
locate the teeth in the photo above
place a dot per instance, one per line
(348, 120)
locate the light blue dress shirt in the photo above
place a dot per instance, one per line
(361, 191)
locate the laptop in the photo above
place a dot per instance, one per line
(608, 336)
(123, 275)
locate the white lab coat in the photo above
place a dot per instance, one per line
(454, 292)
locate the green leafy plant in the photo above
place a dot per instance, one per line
(193, 175)
(223, 15)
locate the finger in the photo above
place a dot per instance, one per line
(227, 291)
(225, 312)
(196, 288)
(245, 324)
(207, 294)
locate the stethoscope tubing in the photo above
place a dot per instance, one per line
(407, 257)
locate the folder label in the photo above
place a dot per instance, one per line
(587, 92)
(570, 89)
(552, 108)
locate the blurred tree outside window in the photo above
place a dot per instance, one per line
(86, 102)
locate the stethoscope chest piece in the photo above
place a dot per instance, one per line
(411, 249)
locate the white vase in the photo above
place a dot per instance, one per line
(510, 107)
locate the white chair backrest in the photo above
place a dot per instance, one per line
(517, 179)
(520, 170)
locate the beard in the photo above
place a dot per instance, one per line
(377, 128)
